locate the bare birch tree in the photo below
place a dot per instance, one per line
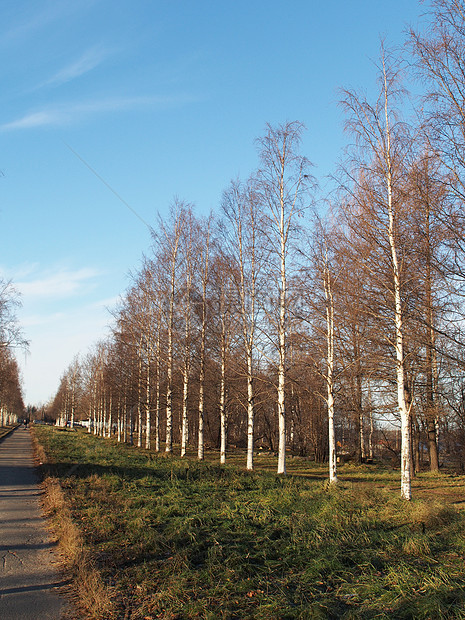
(224, 301)
(439, 51)
(242, 211)
(281, 185)
(327, 277)
(384, 147)
(204, 266)
(187, 248)
(315, 319)
(169, 240)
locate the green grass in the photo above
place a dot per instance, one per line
(180, 539)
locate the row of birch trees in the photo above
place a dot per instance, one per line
(269, 325)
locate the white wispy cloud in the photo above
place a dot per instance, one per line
(35, 119)
(95, 312)
(19, 272)
(40, 16)
(39, 320)
(58, 284)
(66, 114)
(88, 61)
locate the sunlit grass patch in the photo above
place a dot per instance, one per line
(175, 538)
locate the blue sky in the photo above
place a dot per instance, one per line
(162, 99)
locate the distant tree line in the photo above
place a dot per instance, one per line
(11, 337)
(270, 326)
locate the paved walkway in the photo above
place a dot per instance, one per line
(28, 577)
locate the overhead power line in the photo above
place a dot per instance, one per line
(100, 178)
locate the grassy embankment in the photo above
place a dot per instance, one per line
(167, 538)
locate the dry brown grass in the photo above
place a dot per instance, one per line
(87, 590)
(39, 453)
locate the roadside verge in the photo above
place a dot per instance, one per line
(89, 594)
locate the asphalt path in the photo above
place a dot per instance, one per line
(29, 577)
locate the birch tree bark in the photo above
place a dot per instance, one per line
(157, 384)
(148, 417)
(328, 289)
(139, 393)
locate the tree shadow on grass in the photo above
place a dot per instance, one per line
(183, 471)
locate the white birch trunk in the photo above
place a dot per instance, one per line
(241, 210)
(224, 354)
(157, 386)
(329, 373)
(362, 435)
(186, 369)
(248, 329)
(370, 436)
(125, 417)
(185, 419)
(282, 336)
(148, 420)
(110, 415)
(250, 413)
(169, 377)
(201, 442)
(223, 410)
(406, 492)
(119, 421)
(139, 395)
(73, 401)
(131, 427)
(93, 413)
(157, 408)
(169, 369)
(100, 417)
